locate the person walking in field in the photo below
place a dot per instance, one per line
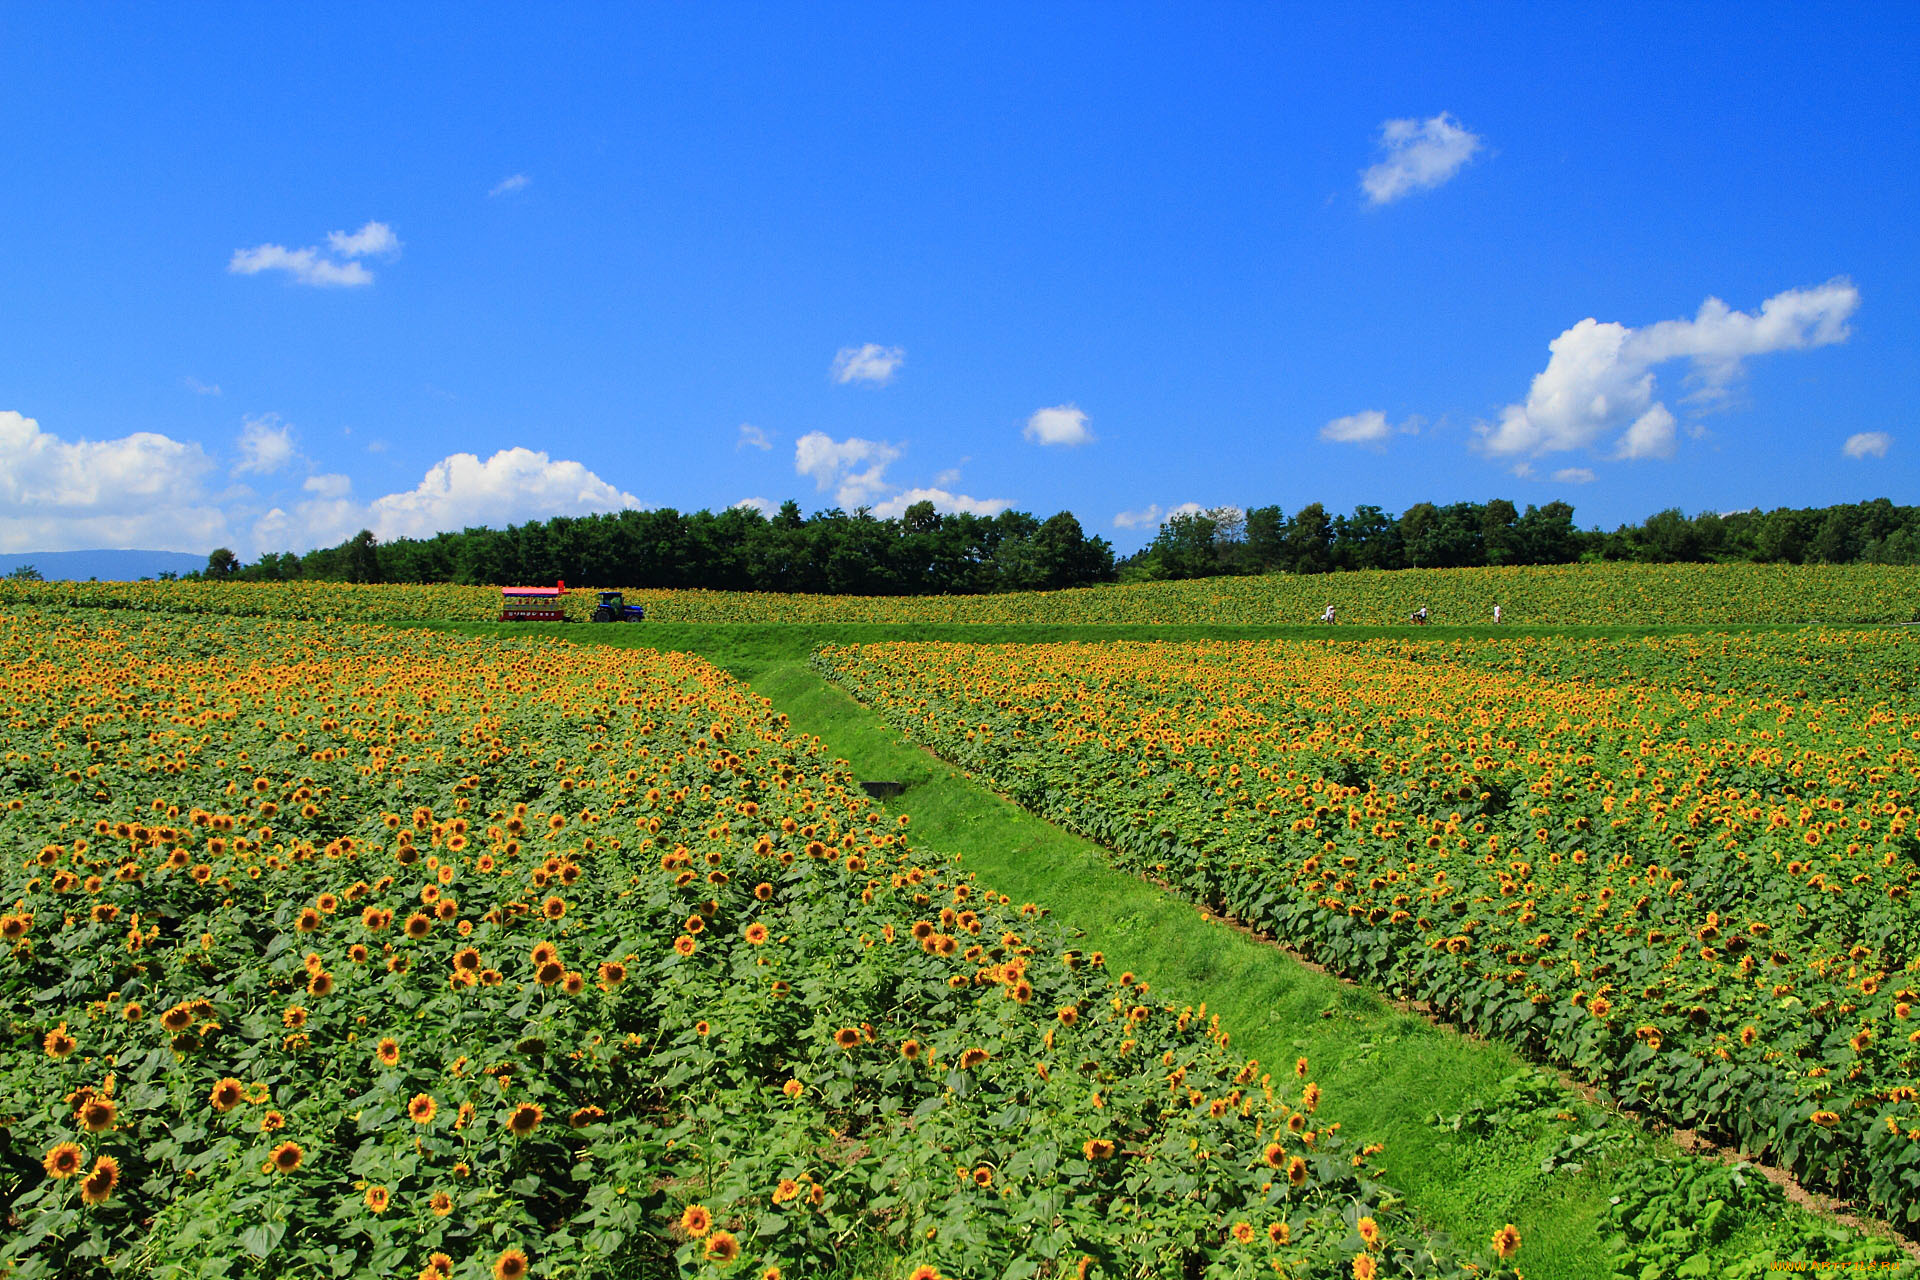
(1327, 617)
(1419, 618)
(1496, 615)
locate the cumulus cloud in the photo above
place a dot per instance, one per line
(518, 182)
(855, 469)
(893, 508)
(1574, 475)
(1867, 444)
(310, 266)
(1417, 155)
(513, 486)
(1368, 427)
(764, 507)
(1064, 424)
(870, 363)
(752, 435)
(1599, 377)
(266, 445)
(142, 490)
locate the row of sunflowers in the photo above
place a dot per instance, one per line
(1581, 594)
(341, 950)
(1681, 866)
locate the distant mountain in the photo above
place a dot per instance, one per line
(108, 566)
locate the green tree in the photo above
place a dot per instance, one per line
(24, 573)
(222, 563)
(363, 557)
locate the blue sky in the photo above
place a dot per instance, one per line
(272, 275)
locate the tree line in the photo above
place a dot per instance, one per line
(923, 552)
(1229, 540)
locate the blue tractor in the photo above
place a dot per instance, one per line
(613, 607)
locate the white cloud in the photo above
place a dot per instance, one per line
(764, 507)
(871, 363)
(942, 500)
(1062, 424)
(375, 239)
(266, 445)
(142, 490)
(328, 486)
(1418, 155)
(752, 435)
(1599, 377)
(1867, 444)
(1368, 427)
(1651, 435)
(1146, 517)
(518, 182)
(308, 266)
(1574, 475)
(513, 486)
(948, 478)
(200, 388)
(831, 463)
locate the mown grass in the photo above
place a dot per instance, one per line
(1386, 1070)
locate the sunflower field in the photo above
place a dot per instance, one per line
(1680, 866)
(1555, 595)
(336, 950)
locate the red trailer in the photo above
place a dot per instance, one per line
(534, 604)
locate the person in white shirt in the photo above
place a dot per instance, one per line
(1328, 615)
(1496, 615)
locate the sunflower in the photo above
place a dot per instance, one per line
(511, 1265)
(1364, 1267)
(177, 1019)
(99, 1184)
(272, 1122)
(756, 933)
(64, 1160)
(910, 1049)
(695, 1220)
(441, 1204)
(96, 1115)
(388, 1051)
(524, 1119)
(846, 1037)
(787, 1190)
(612, 974)
(685, 944)
(1297, 1171)
(971, 1058)
(793, 1088)
(377, 1198)
(983, 1176)
(722, 1247)
(422, 1109)
(419, 925)
(543, 953)
(1506, 1242)
(1278, 1233)
(59, 1044)
(287, 1157)
(925, 1271)
(1097, 1149)
(438, 1264)
(467, 958)
(553, 908)
(584, 1116)
(320, 984)
(550, 973)
(293, 1019)
(1274, 1155)
(1243, 1232)
(226, 1094)
(1369, 1231)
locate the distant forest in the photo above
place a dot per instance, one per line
(923, 552)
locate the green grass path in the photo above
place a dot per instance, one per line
(1384, 1071)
